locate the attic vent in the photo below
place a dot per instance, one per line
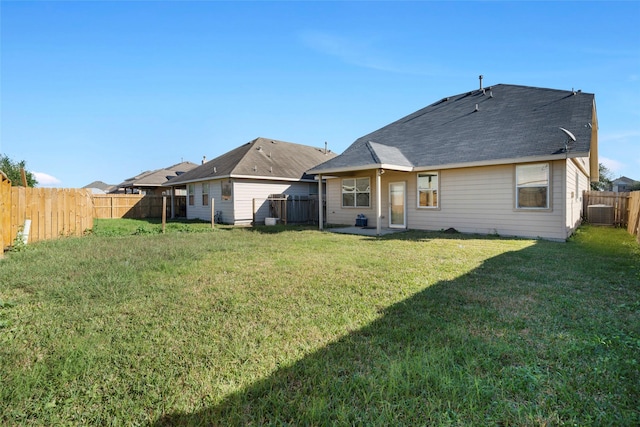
(259, 148)
(600, 214)
(274, 142)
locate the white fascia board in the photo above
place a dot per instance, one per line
(516, 160)
(348, 169)
(193, 181)
(270, 178)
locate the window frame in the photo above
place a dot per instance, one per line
(436, 190)
(205, 194)
(191, 194)
(226, 190)
(517, 187)
(355, 192)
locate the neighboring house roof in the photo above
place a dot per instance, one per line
(262, 158)
(157, 178)
(623, 180)
(494, 125)
(101, 186)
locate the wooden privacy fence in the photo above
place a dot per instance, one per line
(634, 214)
(618, 201)
(294, 209)
(5, 212)
(626, 208)
(52, 212)
(127, 206)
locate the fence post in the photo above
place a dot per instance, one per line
(213, 213)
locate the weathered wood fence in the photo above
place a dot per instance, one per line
(619, 202)
(633, 226)
(294, 209)
(127, 206)
(626, 208)
(52, 212)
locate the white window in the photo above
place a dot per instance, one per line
(205, 194)
(356, 192)
(191, 188)
(226, 190)
(428, 190)
(532, 186)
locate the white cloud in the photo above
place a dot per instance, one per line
(356, 52)
(613, 165)
(46, 180)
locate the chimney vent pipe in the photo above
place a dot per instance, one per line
(480, 77)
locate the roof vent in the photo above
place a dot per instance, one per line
(215, 170)
(259, 148)
(480, 77)
(477, 107)
(204, 159)
(490, 94)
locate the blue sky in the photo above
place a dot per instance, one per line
(105, 90)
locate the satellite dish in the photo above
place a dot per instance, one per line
(569, 134)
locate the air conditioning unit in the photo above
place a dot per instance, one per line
(600, 214)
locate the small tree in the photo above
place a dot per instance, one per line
(12, 170)
(604, 183)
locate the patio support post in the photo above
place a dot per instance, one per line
(379, 201)
(320, 203)
(173, 213)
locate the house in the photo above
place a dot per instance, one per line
(240, 181)
(100, 187)
(506, 159)
(152, 182)
(623, 184)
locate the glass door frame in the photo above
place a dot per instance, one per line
(404, 204)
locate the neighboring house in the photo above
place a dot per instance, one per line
(242, 179)
(493, 160)
(152, 182)
(623, 184)
(99, 187)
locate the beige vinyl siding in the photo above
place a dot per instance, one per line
(336, 214)
(198, 211)
(471, 200)
(245, 191)
(575, 191)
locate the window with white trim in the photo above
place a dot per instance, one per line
(226, 190)
(532, 186)
(191, 189)
(356, 192)
(428, 189)
(205, 194)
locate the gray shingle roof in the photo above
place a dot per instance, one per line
(157, 178)
(262, 158)
(503, 122)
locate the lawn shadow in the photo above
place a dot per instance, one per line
(460, 352)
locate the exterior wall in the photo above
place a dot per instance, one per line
(245, 191)
(577, 184)
(471, 200)
(336, 214)
(239, 210)
(200, 211)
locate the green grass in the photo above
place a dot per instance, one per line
(288, 325)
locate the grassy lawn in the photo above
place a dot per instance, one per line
(282, 326)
